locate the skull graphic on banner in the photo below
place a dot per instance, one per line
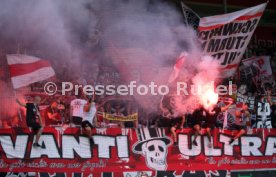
(153, 145)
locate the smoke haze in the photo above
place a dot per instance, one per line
(144, 37)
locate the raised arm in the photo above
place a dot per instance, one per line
(20, 103)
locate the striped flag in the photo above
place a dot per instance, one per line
(25, 70)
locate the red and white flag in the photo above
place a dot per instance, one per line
(177, 66)
(226, 36)
(25, 70)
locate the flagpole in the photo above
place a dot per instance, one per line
(184, 14)
(225, 6)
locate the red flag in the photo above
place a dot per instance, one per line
(25, 70)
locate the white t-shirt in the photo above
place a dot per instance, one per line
(77, 107)
(91, 114)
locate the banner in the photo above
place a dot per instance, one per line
(263, 62)
(114, 117)
(226, 36)
(206, 173)
(125, 150)
(263, 115)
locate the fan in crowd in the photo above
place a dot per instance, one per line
(31, 118)
(240, 122)
(52, 116)
(89, 120)
(76, 109)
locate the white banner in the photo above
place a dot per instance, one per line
(263, 116)
(226, 36)
(263, 62)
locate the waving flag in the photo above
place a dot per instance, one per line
(25, 70)
(191, 18)
(226, 36)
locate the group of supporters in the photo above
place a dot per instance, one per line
(83, 113)
(206, 118)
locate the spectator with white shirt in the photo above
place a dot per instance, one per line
(89, 116)
(76, 109)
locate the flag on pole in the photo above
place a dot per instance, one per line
(191, 18)
(178, 65)
(25, 70)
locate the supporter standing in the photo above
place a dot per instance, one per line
(76, 109)
(89, 116)
(32, 114)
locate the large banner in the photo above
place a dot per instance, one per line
(226, 36)
(125, 150)
(206, 173)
